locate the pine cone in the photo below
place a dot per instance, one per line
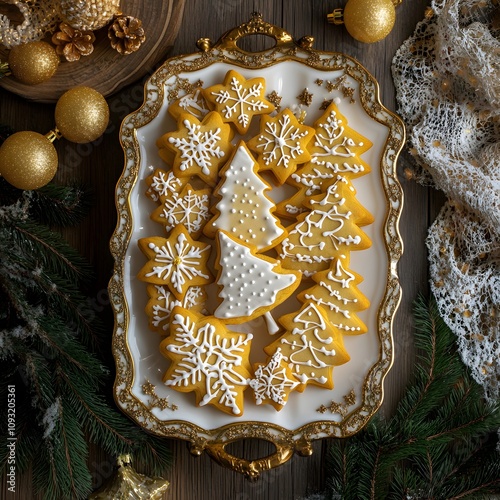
(126, 34)
(72, 43)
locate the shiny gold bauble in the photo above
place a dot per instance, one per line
(33, 63)
(88, 15)
(369, 21)
(28, 160)
(81, 115)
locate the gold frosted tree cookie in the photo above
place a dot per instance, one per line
(311, 346)
(281, 144)
(335, 151)
(244, 210)
(177, 262)
(200, 148)
(238, 100)
(331, 228)
(273, 381)
(337, 293)
(207, 359)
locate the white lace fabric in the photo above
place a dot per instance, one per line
(447, 78)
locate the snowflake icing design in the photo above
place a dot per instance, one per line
(189, 209)
(198, 148)
(283, 142)
(209, 357)
(164, 184)
(240, 100)
(272, 382)
(178, 264)
(165, 302)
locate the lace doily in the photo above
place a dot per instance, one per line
(447, 78)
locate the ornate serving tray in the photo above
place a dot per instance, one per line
(305, 81)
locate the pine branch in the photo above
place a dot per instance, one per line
(430, 448)
(62, 206)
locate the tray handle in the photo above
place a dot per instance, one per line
(250, 468)
(256, 26)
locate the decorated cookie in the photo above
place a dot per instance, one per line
(337, 293)
(335, 150)
(311, 346)
(207, 359)
(238, 100)
(281, 144)
(327, 231)
(177, 262)
(273, 382)
(162, 301)
(193, 103)
(190, 207)
(244, 210)
(200, 147)
(250, 284)
(163, 184)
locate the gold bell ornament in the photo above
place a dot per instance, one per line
(367, 21)
(127, 484)
(28, 160)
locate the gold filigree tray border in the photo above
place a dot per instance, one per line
(286, 442)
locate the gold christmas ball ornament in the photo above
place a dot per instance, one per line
(33, 63)
(28, 160)
(81, 115)
(88, 15)
(367, 21)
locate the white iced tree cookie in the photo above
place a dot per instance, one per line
(238, 100)
(250, 284)
(244, 210)
(207, 359)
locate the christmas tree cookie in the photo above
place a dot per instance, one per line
(189, 207)
(200, 147)
(207, 359)
(177, 262)
(337, 293)
(244, 210)
(162, 302)
(311, 346)
(281, 144)
(238, 100)
(250, 284)
(330, 229)
(335, 151)
(273, 382)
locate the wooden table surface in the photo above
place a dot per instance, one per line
(100, 166)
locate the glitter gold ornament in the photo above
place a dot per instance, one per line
(88, 15)
(33, 63)
(81, 114)
(28, 160)
(127, 484)
(367, 21)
